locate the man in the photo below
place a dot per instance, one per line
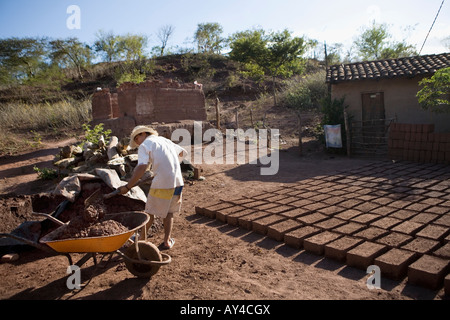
(165, 196)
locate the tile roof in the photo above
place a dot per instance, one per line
(389, 68)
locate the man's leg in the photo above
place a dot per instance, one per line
(168, 224)
(149, 223)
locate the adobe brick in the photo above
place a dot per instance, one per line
(394, 263)
(300, 203)
(408, 227)
(419, 206)
(444, 221)
(366, 218)
(424, 217)
(348, 214)
(316, 243)
(443, 251)
(338, 249)
(403, 214)
(278, 230)
(266, 206)
(210, 211)
(312, 218)
(294, 213)
(349, 228)
(428, 271)
(421, 245)
(386, 222)
(241, 200)
(260, 225)
(246, 221)
(447, 285)
(434, 232)
(278, 209)
(330, 223)
(395, 239)
(296, 237)
(199, 210)
(331, 210)
(371, 233)
(222, 214)
(364, 254)
(233, 218)
(315, 206)
(351, 203)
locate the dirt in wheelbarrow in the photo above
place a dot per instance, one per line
(211, 260)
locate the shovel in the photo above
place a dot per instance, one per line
(116, 192)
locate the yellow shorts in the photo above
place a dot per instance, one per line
(161, 202)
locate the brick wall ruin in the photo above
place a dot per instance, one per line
(150, 102)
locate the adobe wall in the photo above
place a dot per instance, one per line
(148, 102)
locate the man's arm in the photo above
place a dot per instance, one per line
(137, 174)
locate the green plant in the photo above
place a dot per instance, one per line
(94, 135)
(46, 173)
(37, 139)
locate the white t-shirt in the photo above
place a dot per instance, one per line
(163, 154)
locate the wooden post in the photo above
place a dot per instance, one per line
(300, 145)
(251, 117)
(218, 113)
(237, 119)
(347, 132)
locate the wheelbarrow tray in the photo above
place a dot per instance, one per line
(133, 220)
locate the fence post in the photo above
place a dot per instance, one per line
(218, 113)
(347, 132)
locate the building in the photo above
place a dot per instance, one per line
(378, 93)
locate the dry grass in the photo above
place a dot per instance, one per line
(24, 125)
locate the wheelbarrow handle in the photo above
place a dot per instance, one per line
(50, 217)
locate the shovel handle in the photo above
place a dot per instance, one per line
(112, 194)
(49, 217)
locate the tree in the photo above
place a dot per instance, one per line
(276, 54)
(108, 45)
(132, 46)
(164, 34)
(21, 58)
(284, 56)
(434, 95)
(71, 53)
(208, 37)
(373, 44)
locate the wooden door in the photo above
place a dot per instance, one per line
(373, 117)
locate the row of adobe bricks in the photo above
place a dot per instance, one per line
(418, 143)
(425, 270)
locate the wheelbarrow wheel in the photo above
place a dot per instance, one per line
(148, 252)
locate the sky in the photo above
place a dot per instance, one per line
(327, 21)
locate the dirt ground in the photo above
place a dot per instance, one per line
(210, 260)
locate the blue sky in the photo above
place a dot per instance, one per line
(323, 20)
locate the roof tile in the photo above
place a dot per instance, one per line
(388, 68)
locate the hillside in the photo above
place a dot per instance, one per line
(220, 77)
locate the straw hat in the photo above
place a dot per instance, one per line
(138, 130)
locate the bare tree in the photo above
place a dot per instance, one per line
(164, 33)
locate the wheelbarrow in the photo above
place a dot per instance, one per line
(143, 259)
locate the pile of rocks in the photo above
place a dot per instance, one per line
(87, 157)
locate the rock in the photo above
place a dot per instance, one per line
(10, 257)
(66, 152)
(65, 163)
(112, 148)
